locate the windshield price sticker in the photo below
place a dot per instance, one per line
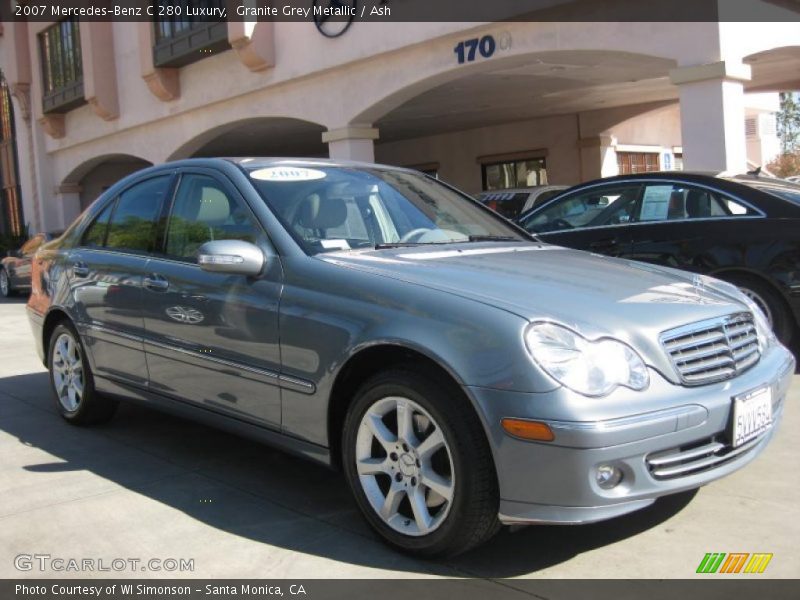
(287, 174)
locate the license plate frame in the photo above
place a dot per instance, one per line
(751, 415)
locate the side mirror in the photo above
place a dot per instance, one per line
(231, 256)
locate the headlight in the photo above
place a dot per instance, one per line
(591, 368)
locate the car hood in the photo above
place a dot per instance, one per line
(595, 295)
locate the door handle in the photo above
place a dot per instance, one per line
(79, 269)
(156, 283)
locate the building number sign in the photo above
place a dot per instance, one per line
(468, 51)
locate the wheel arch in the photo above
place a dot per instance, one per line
(753, 274)
(53, 318)
(367, 362)
(781, 294)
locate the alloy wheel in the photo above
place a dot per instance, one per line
(760, 302)
(68, 376)
(405, 466)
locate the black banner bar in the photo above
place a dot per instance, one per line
(711, 588)
(397, 11)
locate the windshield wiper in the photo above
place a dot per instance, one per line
(472, 238)
(494, 238)
(387, 245)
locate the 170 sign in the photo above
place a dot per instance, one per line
(468, 50)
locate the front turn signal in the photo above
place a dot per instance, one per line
(528, 430)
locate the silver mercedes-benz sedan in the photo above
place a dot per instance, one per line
(461, 373)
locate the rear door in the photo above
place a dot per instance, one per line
(689, 227)
(106, 273)
(212, 338)
(595, 219)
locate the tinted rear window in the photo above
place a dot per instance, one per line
(781, 189)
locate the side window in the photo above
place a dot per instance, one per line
(669, 202)
(593, 208)
(133, 223)
(95, 235)
(204, 211)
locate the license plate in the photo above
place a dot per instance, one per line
(752, 415)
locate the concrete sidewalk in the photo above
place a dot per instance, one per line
(150, 486)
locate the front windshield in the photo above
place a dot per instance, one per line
(338, 208)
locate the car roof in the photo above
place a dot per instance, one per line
(260, 162)
(697, 176)
(250, 162)
(525, 190)
(757, 192)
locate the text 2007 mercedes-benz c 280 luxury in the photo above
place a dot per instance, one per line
(460, 372)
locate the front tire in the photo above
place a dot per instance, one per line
(72, 381)
(418, 463)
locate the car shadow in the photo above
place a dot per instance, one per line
(265, 481)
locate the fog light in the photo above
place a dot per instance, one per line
(608, 476)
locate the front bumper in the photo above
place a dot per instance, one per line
(554, 482)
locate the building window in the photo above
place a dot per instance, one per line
(62, 70)
(630, 163)
(181, 40)
(12, 222)
(516, 173)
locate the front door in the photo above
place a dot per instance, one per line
(594, 219)
(212, 338)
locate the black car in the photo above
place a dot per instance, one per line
(743, 229)
(15, 269)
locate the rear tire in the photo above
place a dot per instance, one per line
(6, 291)
(770, 302)
(434, 497)
(72, 381)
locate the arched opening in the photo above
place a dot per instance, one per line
(524, 120)
(94, 176)
(12, 221)
(775, 70)
(261, 136)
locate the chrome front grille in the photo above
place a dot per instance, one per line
(713, 350)
(695, 458)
